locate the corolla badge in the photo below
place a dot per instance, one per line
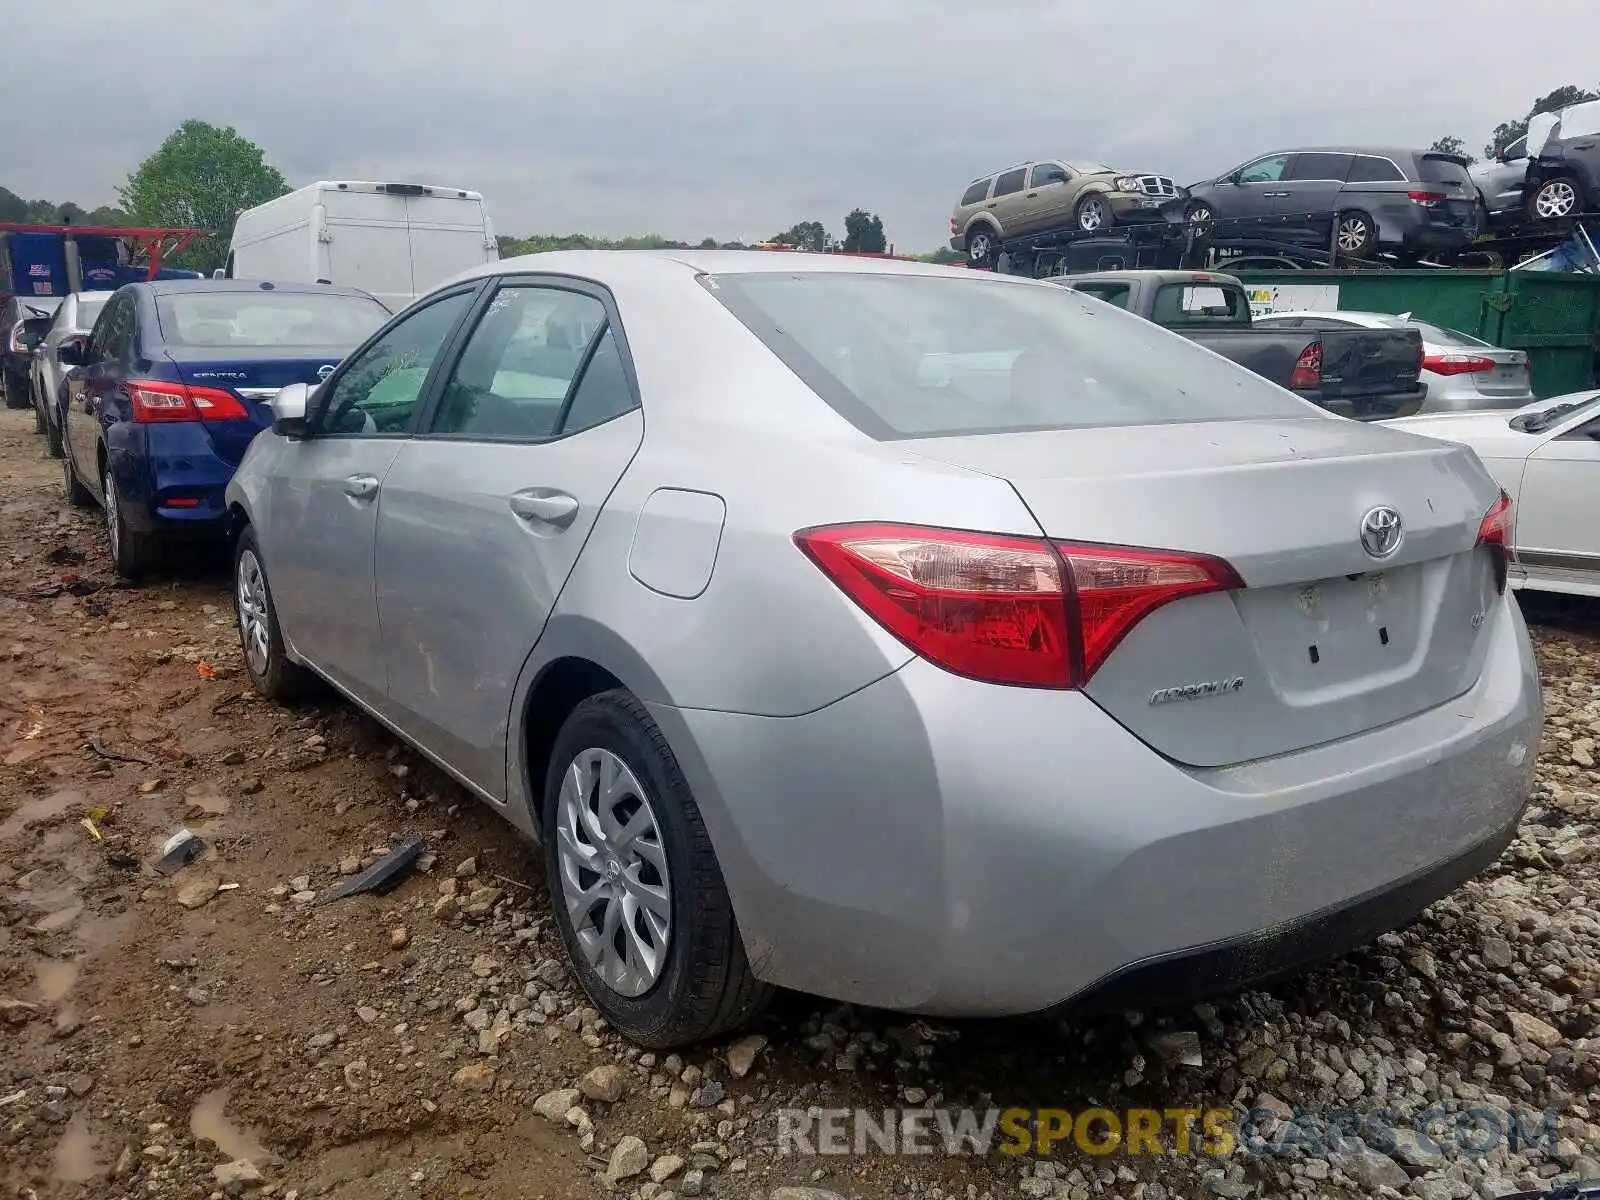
(1382, 531)
(324, 371)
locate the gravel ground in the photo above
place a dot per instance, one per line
(218, 1032)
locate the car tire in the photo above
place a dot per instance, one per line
(1355, 234)
(16, 394)
(77, 495)
(983, 245)
(271, 671)
(1554, 199)
(699, 984)
(1199, 214)
(52, 438)
(133, 554)
(39, 424)
(1093, 214)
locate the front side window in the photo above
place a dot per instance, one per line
(1045, 174)
(517, 369)
(377, 393)
(1264, 170)
(902, 356)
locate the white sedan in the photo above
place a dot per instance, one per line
(1546, 455)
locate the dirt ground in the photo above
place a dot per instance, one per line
(219, 1031)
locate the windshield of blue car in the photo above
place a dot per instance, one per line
(275, 319)
(903, 356)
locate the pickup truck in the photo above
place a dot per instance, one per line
(1365, 374)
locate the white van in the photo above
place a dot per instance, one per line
(395, 240)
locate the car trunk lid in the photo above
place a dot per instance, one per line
(253, 379)
(1324, 640)
(1359, 366)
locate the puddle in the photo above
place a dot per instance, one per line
(56, 978)
(208, 1121)
(31, 812)
(76, 1161)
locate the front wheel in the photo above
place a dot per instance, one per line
(1554, 199)
(1093, 214)
(52, 437)
(1355, 234)
(635, 885)
(39, 424)
(270, 669)
(132, 553)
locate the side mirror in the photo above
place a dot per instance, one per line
(289, 411)
(73, 352)
(219, 273)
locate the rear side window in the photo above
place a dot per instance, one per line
(1433, 169)
(1368, 168)
(1312, 165)
(976, 192)
(1010, 182)
(905, 356)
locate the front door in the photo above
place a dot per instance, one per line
(1554, 527)
(1047, 199)
(325, 498)
(1250, 203)
(484, 514)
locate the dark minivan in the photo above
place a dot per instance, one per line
(1407, 202)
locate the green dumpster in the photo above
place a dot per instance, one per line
(1554, 316)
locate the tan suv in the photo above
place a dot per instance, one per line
(1058, 194)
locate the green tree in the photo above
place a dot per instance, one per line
(864, 231)
(807, 235)
(943, 255)
(1452, 145)
(202, 177)
(1509, 131)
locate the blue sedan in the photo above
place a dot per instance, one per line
(172, 385)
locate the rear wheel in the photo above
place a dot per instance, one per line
(132, 553)
(1554, 199)
(16, 391)
(983, 245)
(1093, 214)
(77, 494)
(1355, 234)
(52, 433)
(271, 671)
(635, 885)
(38, 408)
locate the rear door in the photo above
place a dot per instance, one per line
(449, 234)
(368, 245)
(1311, 193)
(1556, 527)
(1008, 201)
(94, 388)
(484, 514)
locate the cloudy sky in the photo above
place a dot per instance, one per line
(737, 118)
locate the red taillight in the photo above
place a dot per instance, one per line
(1495, 533)
(1011, 610)
(158, 400)
(1427, 197)
(1456, 364)
(1307, 373)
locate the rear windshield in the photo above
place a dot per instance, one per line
(903, 356)
(1438, 334)
(1178, 304)
(258, 318)
(1433, 169)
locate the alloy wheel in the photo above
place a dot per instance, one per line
(1354, 234)
(980, 245)
(1092, 215)
(1557, 198)
(613, 869)
(254, 606)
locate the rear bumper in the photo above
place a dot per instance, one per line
(1381, 406)
(935, 844)
(158, 465)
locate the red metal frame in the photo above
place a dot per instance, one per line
(151, 240)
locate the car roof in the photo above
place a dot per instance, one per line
(176, 287)
(621, 265)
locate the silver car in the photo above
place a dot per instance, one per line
(919, 638)
(74, 318)
(1463, 373)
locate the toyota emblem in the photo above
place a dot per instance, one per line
(1381, 531)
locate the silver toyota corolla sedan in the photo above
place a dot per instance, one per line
(917, 638)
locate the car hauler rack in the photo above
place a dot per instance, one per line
(53, 260)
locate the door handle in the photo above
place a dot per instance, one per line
(360, 487)
(1031, 195)
(545, 506)
(1276, 195)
